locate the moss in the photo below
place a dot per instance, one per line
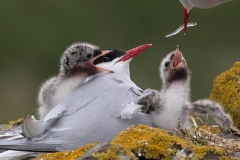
(12, 124)
(66, 155)
(226, 90)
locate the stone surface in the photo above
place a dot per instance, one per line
(226, 91)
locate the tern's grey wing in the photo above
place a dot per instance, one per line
(91, 113)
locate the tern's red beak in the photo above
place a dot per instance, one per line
(177, 60)
(133, 52)
(185, 18)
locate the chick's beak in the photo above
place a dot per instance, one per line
(177, 60)
(133, 52)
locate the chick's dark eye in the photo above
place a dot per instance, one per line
(167, 64)
(106, 59)
(89, 55)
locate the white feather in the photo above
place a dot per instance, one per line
(18, 155)
(130, 111)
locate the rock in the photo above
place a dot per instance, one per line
(226, 91)
(101, 147)
(66, 155)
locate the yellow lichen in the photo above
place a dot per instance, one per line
(12, 124)
(211, 129)
(114, 152)
(226, 90)
(66, 155)
(200, 151)
(155, 143)
(152, 143)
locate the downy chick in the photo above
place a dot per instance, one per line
(171, 106)
(76, 64)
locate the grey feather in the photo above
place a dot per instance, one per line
(207, 106)
(88, 114)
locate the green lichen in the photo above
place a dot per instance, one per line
(66, 155)
(226, 90)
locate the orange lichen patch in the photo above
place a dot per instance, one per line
(226, 90)
(66, 155)
(12, 124)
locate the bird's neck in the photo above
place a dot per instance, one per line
(79, 71)
(179, 89)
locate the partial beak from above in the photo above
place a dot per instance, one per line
(133, 52)
(177, 60)
(185, 18)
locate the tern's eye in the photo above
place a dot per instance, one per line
(167, 64)
(106, 59)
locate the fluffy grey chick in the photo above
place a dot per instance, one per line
(171, 106)
(76, 64)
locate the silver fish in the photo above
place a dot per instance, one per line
(191, 24)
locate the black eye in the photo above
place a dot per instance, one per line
(89, 55)
(183, 61)
(167, 64)
(106, 59)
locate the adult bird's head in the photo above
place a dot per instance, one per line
(173, 68)
(118, 60)
(203, 4)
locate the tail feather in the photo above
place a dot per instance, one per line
(13, 155)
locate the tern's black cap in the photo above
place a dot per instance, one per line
(114, 53)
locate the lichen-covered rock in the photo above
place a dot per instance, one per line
(226, 91)
(149, 142)
(144, 142)
(154, 143)
(66, 155)
(11, 124)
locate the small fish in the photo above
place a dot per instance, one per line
(191, 24)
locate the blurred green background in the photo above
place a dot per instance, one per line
(33, 35)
